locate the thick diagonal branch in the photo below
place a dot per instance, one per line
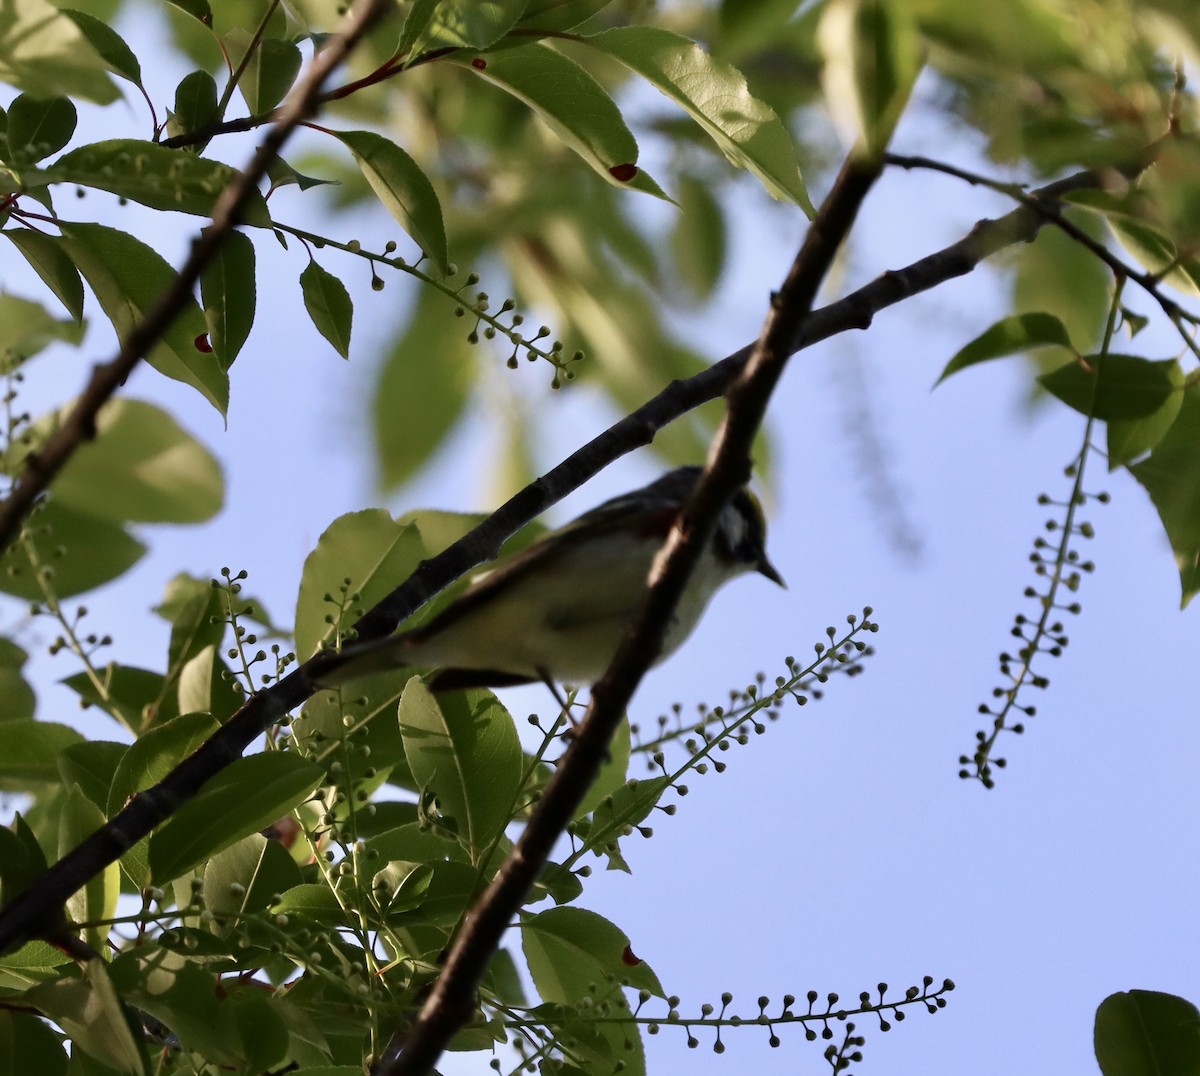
(26, 915)
(451, 1001)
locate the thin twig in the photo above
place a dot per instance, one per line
(80, 425)
(32, 911)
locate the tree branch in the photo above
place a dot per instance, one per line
(80, 425)
(27, 915)
(451, 1001)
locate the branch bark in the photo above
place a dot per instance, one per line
(80, 425)
(451, 1001)
(31, 912)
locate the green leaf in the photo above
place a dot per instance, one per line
(1171, 475)
(133, 696)
(27, 1041)
(404, 190)
(38, 127)
(558, 16)
(17, 701)
(422, 390)
(698, 240)
(128, 278)
(150, 758)
(613, 772)
(143, 467)
(195, 609)
(90, 1012)
(155, 176)
(1147, 1033)
(574, 956)
(22, 859)
(716, 96)
(464, 750)
(1130, 438)
(1009, 336)
(227, 289)
(198, 9)
(283, 175)
(206, 685)
(245, 879)
(471, 24)
(243, 798)
(110, 46)
(44, 53)
(195, 104)
(48, 259)
(90, 766)
(1056, 275)
(27, 327)
(78, 551)
(96, 901)
(1157, 253)
(372, 551)
(328, 304)
(571, 950)
(172, 987)
(1115, 387)
(872, 58)
(573, 104)
(269, 74)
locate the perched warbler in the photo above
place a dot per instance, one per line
(557, 611)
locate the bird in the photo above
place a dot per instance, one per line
(557, 611)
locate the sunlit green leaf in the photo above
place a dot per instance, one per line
(142, 467)
(872, 58)
(246, 878)
(128, 278)
(96, 901)
(471, 24)
(1171, 475)
(109, 44)
(91, 1013)
(573, 104)
(243, 798)
(1009, 336)
(464, 749)
(161, 178)
(558, 16)
(27, 327)
(228, 291)
(422, 390)
(48, 259)
(716, 96)
(76, 550)
(369, 549)
(151, 757)
(44, 53)
(404, 190)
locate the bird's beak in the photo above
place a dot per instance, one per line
(765, 567)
